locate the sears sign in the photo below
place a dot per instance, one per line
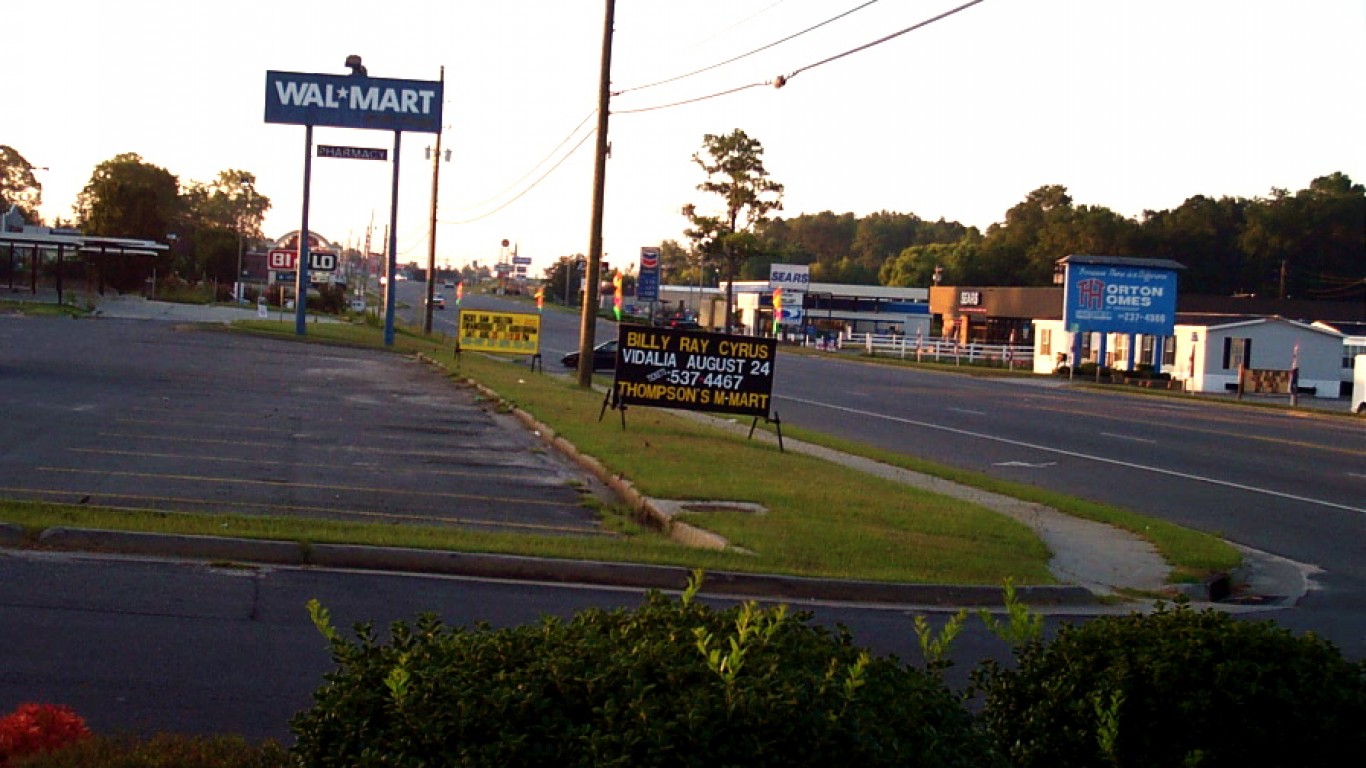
(1120, 299)
(349, 101)
(789, 277)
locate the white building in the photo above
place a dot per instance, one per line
(1205, 351)
(835, 308)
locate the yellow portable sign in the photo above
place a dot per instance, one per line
(509, 332)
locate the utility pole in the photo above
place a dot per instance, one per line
(431, 231)
(1282, 290)
(588, 317)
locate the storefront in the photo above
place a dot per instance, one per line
(992, 314)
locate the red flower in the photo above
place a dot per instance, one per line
(39, 728)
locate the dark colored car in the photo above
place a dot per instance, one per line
(681, 321)
(604, 357)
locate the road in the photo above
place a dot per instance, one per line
(1292, 484)
(153, 645)
(184, 647)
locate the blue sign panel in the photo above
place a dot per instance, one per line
(350, 101)
(1119, 299)
(647, 280)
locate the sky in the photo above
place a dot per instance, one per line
(1132, 105)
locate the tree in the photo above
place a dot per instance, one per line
(221, 217)
(1203, 235)
(18, 185)
(562, 278)
(127, 197)
(959, 263)
(1311, 241)
(1046, 227)
(735, 171)
(228, 202)
(678, 265)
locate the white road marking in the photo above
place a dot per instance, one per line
(1025, 464)
(1127, 437)
(1075, 454)
(969, 411)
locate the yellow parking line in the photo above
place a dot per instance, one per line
(492, 472)
(177, 456)
(204, 424)
(315, 448)
(316, 486)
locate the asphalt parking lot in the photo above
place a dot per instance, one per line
(139, 414)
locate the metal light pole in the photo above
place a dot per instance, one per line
(239, 286)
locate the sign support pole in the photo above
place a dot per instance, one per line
(301, 273)
(393, 251)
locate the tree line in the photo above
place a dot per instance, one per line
(1310, 244)
(208, 223)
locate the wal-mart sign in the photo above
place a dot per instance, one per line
(1120, 299)
(350, 101)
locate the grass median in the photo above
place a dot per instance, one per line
(822, 520)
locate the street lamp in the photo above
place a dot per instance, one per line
(239, 286)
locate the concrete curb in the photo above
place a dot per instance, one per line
(173, 545)
(519, 568)
(12, 536)
(638, 503)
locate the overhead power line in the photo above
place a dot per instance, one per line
(781, 80)
(534, 167)
(534, 184)
(743, 55)
(741, 22)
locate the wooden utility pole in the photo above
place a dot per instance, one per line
(431, 230)
(588, 316)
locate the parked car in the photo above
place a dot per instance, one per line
(438, 302)
(604, 357)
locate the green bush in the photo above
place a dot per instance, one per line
(1176, 688)
(161, 751)
(669, 683)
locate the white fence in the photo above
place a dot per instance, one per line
(946, 350)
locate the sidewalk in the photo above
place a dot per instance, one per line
(134, 307)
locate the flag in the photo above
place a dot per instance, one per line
(459, 292)
(540, 298)
(616, 294)
(777, 308)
